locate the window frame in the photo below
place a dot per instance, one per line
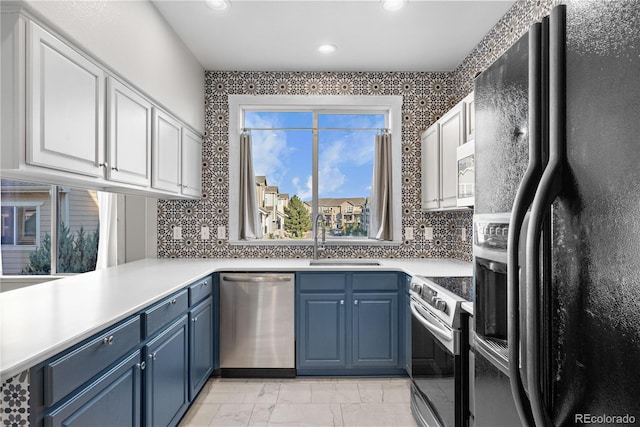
(391, 105)
(14, 206)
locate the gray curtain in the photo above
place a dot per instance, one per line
(381, 224)
(249, 216)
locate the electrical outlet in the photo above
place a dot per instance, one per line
(408, 233)
(222, 232)
(177, 233)
(204, 232)
(428, 233)
(463, 234)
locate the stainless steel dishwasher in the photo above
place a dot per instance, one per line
(257, 324)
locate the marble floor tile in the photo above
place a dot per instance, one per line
(312, 414)
(301, 402)
(377, 415)
(295, 393)
(233, 414)
(335, 392)
(200, 415)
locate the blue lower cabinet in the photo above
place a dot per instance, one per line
(321, 330)
(111, 400)
(357, 331)
(375, 329)
(166, 375)
(200, 346)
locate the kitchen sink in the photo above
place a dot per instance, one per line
(347, 262)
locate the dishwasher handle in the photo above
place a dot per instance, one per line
(256, 279)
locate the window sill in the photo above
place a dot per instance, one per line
(279, 242)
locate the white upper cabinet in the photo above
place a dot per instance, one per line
(451, 137)
(431, 167)
(128, 135)
(191, 163)
(470, 117)
(166, 148)
(67, 119)
(65, 106)
(439, 159)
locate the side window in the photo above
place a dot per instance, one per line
(29, 229)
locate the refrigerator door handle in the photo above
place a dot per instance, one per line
(548, 190)
(523, 200)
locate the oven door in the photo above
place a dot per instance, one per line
(435, 369)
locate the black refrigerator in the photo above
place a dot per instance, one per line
(557, 222)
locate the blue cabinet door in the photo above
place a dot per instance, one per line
(375, 329)
(166, 376)
(321, 330)
(200, 346)
(111, 400)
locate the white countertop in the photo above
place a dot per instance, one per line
(42, 320)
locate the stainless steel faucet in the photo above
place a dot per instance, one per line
(316, 249)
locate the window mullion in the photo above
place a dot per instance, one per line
(314, 170)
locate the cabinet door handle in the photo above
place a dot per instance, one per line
(142, 365)
(103, 165)
(341, 302)
(108, 340)
(153, 356)
(355, 302)
(194, 320)
(115, 169)
(173, 301)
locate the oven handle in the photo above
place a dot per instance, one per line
(440, 332)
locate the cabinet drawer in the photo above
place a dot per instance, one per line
(164, 312)
(115, 397)
(68, 372)
(375, 281)
(322, 282)
(200, 290)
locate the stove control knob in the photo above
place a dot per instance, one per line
(440, 304)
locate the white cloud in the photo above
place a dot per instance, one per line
(304, 193)
(270, 151)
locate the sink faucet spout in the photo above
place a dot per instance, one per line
(318, 223)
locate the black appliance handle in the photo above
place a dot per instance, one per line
(524, 198)
(550, 187)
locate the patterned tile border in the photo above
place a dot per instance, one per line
(14, 401)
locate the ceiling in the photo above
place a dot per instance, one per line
(426, 35)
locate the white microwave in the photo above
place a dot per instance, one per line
(466, 174)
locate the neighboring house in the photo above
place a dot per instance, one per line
(26, 218)
(271, 206)
(345, 215)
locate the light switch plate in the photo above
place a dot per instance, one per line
(222, 232)
(177, 232)
(428, 233)
(408, 233)
(204, 233)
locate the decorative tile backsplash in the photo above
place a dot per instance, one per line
(426, 96)
(14, 401)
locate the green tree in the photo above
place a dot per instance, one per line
(77, 253)
(298, 221)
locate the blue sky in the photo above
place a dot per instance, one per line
(345, 161)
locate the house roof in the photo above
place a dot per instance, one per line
(339, 201)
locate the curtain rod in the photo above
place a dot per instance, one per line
(316, 128)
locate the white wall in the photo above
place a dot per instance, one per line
(134, 40)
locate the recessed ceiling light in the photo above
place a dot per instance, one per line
(327, 48)
(392, 5)
(218, 4)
